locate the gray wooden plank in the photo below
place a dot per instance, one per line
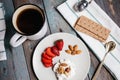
(6, 67)
(15, 65)
(105, 5)
(17, 3)
(29, 47)
(56, 22)
(19, 64)
(94, 63)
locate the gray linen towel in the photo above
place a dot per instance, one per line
(2, 33)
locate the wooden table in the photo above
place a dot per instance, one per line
(18, 65)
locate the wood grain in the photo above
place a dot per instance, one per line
(105, 5)
(56, 21)
(12, 68)
(19, 63)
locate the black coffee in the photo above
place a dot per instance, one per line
(30, 21)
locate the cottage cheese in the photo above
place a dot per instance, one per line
(64, 69)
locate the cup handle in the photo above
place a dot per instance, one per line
(17, 39)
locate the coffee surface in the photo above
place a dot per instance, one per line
(30, 21)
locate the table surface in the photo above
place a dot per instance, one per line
(18, 65)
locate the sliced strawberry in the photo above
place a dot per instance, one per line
(59, 44)
(44, 55)
(48, 65)
(49, 52)
(46, 61)
(55, 50)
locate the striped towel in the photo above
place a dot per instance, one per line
(94, 12)
(2, 33)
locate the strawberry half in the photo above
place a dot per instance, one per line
(59, 44)
(44, 55)
(55, 50)
(47, 65)
(49, 52)
(46, 61)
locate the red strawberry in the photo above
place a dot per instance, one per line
(48, 65)
(59, 44)
(55, 50)
(46, 61)
(44, 55)
(49, 52)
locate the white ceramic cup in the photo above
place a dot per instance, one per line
(19, 37)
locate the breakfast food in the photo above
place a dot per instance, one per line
(73, 50)
(92, 28)
(46, 56)
(59, 44)
(47, 62)
(64, 69)
(51, 52)
(55, 50)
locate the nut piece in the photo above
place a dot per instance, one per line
(63, 64)
(68, 51)
(73, 52)
(66, 73)
(68, 69)
(75, 47)
(78, 51)
(70, 47)
(60, 70)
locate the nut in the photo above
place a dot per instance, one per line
(66, 74)
(68, 69)
(63, 64)
(70, 47)
(60, 70)
(75, 47)
(78, 51)
(73, 52)
(68, 51)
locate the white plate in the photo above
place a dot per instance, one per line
(81, 61)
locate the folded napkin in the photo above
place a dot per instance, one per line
(2, 33)
(95, 13)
